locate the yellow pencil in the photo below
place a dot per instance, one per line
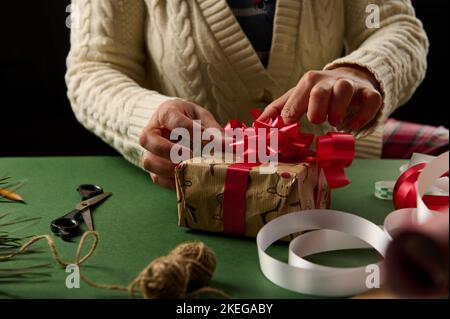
(10, 195)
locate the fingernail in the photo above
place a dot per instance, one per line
(154, 178)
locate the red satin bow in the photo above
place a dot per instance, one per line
(405, 191)
(334, 151)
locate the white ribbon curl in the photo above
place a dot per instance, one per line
(334, 230)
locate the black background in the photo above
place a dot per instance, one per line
(35, 115)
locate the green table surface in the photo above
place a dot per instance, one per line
(139, 223)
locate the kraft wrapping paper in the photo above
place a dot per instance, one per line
(200, 193)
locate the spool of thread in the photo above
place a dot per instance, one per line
(164, 278)
(384, 190)
(189, 267)
(199, 259)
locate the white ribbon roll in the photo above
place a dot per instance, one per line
(334, 230)
(306, 277)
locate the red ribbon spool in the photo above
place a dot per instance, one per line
(405, 191)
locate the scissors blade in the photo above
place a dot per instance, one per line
(87, 218)
(92, 201)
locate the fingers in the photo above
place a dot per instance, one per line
(298, 101)
(172, 119)
(341, 95)
(163, 181)
(158, 165)
(325, 98)
(369, 106)
(274, 109)
(153, 142)
(319, 101)
(207, 119)
(155, 138)
(343, 91)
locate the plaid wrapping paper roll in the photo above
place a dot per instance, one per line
(200, 193)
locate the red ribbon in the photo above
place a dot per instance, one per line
(234, 199)
(334, 152)
(293, 146)
(405, 191)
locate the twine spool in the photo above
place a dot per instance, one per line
(199, 259)
(183, 273)
(164, 278)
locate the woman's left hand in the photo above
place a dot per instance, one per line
(347, 96)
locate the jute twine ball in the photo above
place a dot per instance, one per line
(199, 259)
(188, 267)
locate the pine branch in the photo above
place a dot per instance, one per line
(11, 241)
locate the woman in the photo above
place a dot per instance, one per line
(138, 69)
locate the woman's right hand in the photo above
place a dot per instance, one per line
(155, 138)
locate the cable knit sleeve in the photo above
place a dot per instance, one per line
(105, 72)
(395, 53)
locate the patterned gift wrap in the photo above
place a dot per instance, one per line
(200, 192)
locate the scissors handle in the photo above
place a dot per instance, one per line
(89, 190)
(67, 225)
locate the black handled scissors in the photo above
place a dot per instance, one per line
(67, 226)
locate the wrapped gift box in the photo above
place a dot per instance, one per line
(201, 195)
(239, 198)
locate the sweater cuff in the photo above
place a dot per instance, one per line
(140, 115)
(383, 73)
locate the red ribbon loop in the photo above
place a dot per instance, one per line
(335, 152)
(405, 191)
(293, 146)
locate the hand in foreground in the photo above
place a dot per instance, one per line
(348, 97)
(155, 137)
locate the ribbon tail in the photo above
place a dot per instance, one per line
(335, 177)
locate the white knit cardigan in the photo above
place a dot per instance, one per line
(129, 56)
